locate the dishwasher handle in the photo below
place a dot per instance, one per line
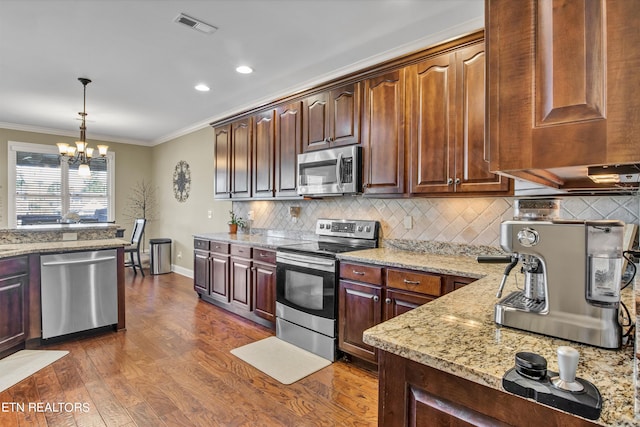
(78, 261)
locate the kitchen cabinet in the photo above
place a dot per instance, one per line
(236, 277)
(332, 118)
(383, 141)
(288, 146)
(232, 160)
(371, 294)
(563, 87)
(241, 276)
(264, 154)
(446, 104)
(413, 394)
(264, 284)
(14, 308)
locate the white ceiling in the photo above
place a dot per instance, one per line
(144, 66)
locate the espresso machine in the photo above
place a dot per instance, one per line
(570, 279)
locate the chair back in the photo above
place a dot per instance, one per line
(138, 229)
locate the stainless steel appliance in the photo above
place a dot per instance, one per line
(78, 291)
(307, 283)
(572, 275)
(331, 172)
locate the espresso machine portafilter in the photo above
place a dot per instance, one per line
(571, 279)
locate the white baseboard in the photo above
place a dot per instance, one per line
(182, 271)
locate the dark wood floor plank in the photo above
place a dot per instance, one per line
(173, 367)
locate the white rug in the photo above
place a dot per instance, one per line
(280, 360)
(24, 363)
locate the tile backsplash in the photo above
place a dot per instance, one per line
(471, 221)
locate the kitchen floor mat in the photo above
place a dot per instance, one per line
(280, 360)
(20, 365)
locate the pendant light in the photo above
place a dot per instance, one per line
(81, 154)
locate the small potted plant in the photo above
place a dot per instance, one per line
(234, 222)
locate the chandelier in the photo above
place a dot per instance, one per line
(81, 154)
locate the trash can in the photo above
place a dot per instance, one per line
(160, 261)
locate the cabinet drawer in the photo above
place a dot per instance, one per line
(423, 283)
(14, 266)
(264, 255)
(219, 247)
(203, 245)
(241, 251)
(362, 273)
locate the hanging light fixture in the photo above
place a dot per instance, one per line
(81, 154)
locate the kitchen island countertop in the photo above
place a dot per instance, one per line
(456, 333)
(15, 249)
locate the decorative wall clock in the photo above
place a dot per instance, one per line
(181, 181)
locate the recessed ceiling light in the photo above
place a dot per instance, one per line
(202, 88)
(243, 69)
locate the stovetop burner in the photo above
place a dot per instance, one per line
(338, 236)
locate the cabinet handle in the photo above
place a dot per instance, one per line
(411, 282)
(457, 181)
(359, 273)
(263, 255)
(449, 181)
(387, 300)
(365, 185)
(376, 298)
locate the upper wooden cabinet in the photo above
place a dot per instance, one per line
(332, 118)
(383, 142)
(288, 146)
(563, 85)
(446, 102)
(232, 160)
(263, 153)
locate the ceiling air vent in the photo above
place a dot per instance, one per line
(195, 24)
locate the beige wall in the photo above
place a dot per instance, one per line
(133, 163)
(179, 221)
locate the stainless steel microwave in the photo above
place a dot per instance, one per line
(331, 172)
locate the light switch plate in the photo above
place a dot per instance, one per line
(408, 222)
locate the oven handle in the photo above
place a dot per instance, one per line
(304, 261)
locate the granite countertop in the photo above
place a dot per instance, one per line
(260, 240)
(16, 249)
(456, 334)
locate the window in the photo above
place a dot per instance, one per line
(44, 189)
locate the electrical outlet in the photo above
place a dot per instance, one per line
(408, 222)
(179, 254)
(209, 214)
(250, 216)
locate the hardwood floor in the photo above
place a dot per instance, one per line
(172, 367)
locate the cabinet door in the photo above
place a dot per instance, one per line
(288, 146)
(263, 154)
(264, 291)
(383, 134)
(219, 277)
(431, 90)
(241, 282)
(471, 148)
(562, 82)
(241, 159)
(13, 311)
(315, 122)
(344, 119)
(398, 302)
(201, 272)
(222, 162)
(360, 308)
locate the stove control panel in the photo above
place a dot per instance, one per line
(348, 228)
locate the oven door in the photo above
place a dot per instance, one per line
(306, 283)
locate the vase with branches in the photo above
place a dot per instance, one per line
(142, 202)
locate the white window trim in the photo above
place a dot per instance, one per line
(15, 146)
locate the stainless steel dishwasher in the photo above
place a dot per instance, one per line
(78, 291)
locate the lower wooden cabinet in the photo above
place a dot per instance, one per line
(372, 294)
(238, 278)
(413, 394)
(14, 310)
